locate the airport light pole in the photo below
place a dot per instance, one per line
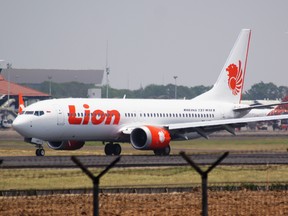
(9, 66)
(107, 72)
(107, 81)
(175, 77)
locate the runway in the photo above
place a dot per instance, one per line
(142, 160)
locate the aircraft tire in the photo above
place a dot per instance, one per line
(166, 150)
(157, 152)
(109, 149)
(162, 152)
(40, 152)
(117, 149)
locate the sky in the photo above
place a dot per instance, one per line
(149, 41)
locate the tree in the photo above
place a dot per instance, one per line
(262, 91)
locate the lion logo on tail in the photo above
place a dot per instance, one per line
(235, 78)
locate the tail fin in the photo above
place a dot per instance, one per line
(229, 84)
(21, 103)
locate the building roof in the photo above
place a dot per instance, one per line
(15, 89)
(56, 76)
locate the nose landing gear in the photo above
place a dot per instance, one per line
(40, 151)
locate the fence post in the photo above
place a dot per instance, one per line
(95, 180)
(204, 178)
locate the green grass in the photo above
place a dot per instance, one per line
(138, 177)
(230, 143)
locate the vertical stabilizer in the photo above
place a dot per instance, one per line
(230, 82)
(21, 103)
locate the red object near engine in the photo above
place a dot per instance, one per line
(150, 138)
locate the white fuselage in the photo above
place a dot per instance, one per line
(93, 119)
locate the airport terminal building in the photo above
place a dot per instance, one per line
(10, 89)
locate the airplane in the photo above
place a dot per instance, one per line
(148, 124)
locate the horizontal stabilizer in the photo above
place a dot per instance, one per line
(259, 106)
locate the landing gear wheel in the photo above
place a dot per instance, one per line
(108, 149)
(112, 149)
(117, 149)
(166, 150)
(162, 152)
(40, 152)
(157, 152)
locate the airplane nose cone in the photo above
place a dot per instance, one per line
(20, 125)
(16, 124)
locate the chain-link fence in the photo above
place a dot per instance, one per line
(247, 190)
(222, 200)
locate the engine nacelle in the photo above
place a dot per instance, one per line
(149, 138)
(66, 145)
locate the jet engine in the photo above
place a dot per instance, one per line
(66, 145)
(150, 138)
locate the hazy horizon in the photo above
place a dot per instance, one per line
(149, 42)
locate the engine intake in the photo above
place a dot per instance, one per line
(149, 138)
(66, 145)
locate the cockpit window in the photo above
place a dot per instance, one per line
(38, 113)
(29, 112)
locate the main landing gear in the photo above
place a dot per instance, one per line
(112, 149)
(40, 151)
(163, 151)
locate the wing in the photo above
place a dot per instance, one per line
(203, 128)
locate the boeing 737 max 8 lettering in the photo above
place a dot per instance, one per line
(147, 124)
